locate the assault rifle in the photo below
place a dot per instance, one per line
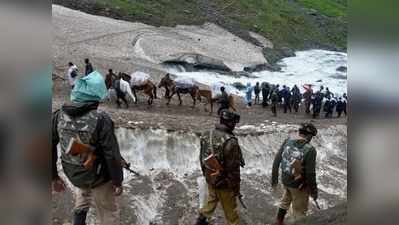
(127, 165)
(76, 147)
(240, 198)
(317, 204)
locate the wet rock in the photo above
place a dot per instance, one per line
(262, 67)
(339, 76)
(273, 56)
(194, 62)
(343, 69)
(240, 86)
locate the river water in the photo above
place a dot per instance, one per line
(317, 67)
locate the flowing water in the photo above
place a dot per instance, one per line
(317, 67)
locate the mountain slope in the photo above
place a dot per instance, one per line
(296, 24)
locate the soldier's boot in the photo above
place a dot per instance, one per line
(202, 220)
(79, 217)
(280, 216)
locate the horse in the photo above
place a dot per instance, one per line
(171, 89)
(207, 94)
(148, 87)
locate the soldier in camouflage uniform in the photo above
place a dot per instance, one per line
(297, 160)
(224, 188)
(103, 182)
(274, 99)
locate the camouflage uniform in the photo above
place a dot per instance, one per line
(94, 128)
(226, 187)
(297, 191)
(274, 100)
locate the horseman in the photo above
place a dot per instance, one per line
(181, 86)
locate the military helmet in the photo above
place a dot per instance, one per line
(308, 128)
(229, 116)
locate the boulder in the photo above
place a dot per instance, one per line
(194, 62)
(273, 55)
(262, 67)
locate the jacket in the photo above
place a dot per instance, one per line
(95, 128)
(308, 165)
(228, 152)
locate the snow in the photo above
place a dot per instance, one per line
(307, 67)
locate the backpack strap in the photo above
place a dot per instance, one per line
(211, 142)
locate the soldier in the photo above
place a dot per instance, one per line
(286, 94)
(102, 181)
(224, 183)
(317, 104)
(297, 160)
(265, 93)
(257, 91)
(296, 98)
(274, 100)
(341, 106)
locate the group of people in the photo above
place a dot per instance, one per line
(291, 98)
(80, 125)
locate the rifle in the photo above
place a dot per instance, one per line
(127, 165)
(240, 198)
(76, 147)
(317, 204)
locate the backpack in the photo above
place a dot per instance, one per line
(212, 145)
(292, 159)
(81, 128)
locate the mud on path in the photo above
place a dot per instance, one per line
(185, 117)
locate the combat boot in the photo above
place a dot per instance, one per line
(202, 220)
(280, 216)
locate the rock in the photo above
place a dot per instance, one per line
(264, 42)
(318, 81)
(343, 69)
(194, 62)
(261, 67)
(274, 55)
(339, 76)
(240, 86)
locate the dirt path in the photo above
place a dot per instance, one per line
(186, 118)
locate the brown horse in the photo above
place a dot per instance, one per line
(207, 94)
(148, 88)
(171, 89)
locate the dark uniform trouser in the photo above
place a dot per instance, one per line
(296, 106)
(274, 108)
(298, 199)
(287, 105)
(227, 198)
